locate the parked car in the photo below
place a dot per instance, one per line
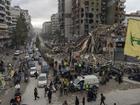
(36, 49)
(27, 56)
(135, 77)
(30, 51)
(44, 68)
(31, 64)
(115, 72)
(32, 71)
(42, 80)
(17, 53)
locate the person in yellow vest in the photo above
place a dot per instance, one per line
(87, 86)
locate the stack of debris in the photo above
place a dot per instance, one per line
(97, 41)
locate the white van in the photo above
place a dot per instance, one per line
(90, 79)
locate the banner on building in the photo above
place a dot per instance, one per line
(132, 43)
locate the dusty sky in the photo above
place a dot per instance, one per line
(41, 10)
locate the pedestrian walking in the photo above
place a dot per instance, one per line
(65, 90)
(81, 85)
(36, 75)
(46, 89)
(61, 90)
(50, 96)
(102, 99)
(76, 101)
(65, 103)
(83, 101)
(51, 84)
(36, 93)
(12, 101)
(120, 79)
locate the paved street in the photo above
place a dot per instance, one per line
(121, 97)
(128, 97)
(28, 96)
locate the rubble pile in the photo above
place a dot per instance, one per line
(97, 40)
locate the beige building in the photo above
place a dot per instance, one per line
(85, 16)
(15, 13)
(114, 11)
(88, 14)
(8, 13)
(55, 23)
(65, 20)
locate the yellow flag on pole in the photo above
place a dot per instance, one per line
(132, 43)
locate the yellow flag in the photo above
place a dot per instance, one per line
(132, 43)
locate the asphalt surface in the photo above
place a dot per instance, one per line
(121, 97)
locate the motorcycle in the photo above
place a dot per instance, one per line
(26, 77)
(91, 96)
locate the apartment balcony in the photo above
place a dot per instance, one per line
(103, 3)
(2, 18)
(123, 1)
(3, 12)
(1, 5)
(122, 6)
(103, 14)
(9, 23)
(7, 10)
(14, 23)
(8, 20)
(8, 17)
(103, 8)
(3, 26)
(8, 2)
(122, 12)
(14, 20)
(5, 35)
(122, 17)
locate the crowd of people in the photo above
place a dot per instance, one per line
(63, 83)
(63, 75)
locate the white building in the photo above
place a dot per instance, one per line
(55, 23)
